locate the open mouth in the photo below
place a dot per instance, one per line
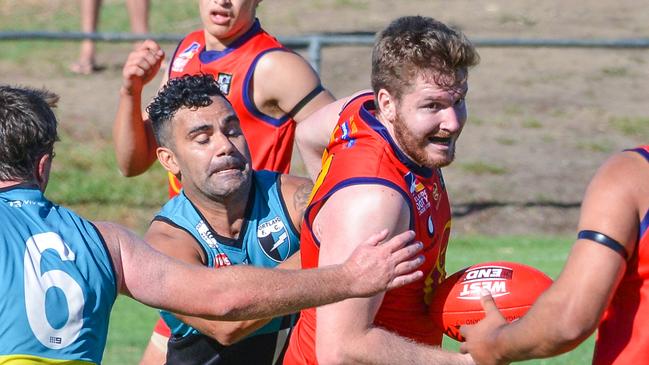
(440, 140)
(229, 167)
(219, 17)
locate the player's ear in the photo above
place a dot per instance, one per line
(386, 104)
(168, 160)
(42, 173)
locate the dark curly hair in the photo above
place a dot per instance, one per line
(188, 91)
(27, 130)
(412, 44)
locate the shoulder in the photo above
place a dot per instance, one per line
(292, 186)
(174, 241)
(625, 170)
(295, 192)
(373, 200)
(280, 58)
(359, 210)
(284, 66)
(294, 182)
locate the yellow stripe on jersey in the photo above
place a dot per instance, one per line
(35, 360)
(321, 176)
(172, 183)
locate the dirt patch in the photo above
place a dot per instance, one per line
(541, 119)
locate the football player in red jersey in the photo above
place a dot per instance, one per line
(605, 281)
(270, 88)
(382, 169)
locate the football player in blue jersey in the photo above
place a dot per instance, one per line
(63, 272)
(226, 214)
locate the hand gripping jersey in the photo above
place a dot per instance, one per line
(57, 280)
(623, 335)
(362, 152)
(267, 238)
(270, 139)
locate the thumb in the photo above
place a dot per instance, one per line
(488, 303)
(377, 238)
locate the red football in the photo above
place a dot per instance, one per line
(514, 287)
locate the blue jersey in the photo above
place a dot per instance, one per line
(57, 280)
(267, 238)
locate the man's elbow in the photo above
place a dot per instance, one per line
(226, 337)
(573, 330)
(332, 353)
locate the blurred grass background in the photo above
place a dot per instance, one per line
(85, 176)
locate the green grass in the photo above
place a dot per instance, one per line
(85, 177)
(130, 328)
(532, 123)
(631, 126)
(168, 17)
(482, 168)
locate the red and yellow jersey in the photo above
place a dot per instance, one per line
(623, 336)
(361, 151)
(270, 139)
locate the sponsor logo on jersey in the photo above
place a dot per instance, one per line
(224, 80)
(435, 192)
(206, 234)
(222, 259)
(492, 278)
(431, 226)
(418, 192)
(347, 129)
(181, 60)
(21, 203)
(274, 240)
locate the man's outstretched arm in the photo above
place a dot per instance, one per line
(246, 292)
(570, 310)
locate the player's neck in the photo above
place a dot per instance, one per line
(10, 183)
(224, 214)
(389, 126)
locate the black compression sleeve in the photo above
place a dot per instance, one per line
(305, 100)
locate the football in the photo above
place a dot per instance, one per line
(514, 287)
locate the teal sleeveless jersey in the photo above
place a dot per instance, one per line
(57, 282)
(267, 237)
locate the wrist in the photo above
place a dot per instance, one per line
(499, 353)
(129, 90)
(349, 279)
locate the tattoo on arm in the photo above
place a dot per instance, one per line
(301, 197)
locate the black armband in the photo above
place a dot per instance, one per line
(605, 240)
(305, 100)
